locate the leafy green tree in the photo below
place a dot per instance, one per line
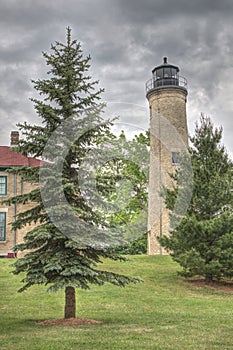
(202, 243)
(123, 180)
(63, 250)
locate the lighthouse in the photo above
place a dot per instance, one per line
(166, 92)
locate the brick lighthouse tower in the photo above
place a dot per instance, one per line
(166, 92)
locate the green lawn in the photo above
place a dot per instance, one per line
(161, 313)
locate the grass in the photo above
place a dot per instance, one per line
(161, 313)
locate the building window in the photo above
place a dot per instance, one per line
(175, 158)
(3, 185)
(2, 226)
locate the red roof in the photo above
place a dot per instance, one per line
(8, 158)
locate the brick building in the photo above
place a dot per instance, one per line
(12, 184)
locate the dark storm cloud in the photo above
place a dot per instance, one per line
(148, 10)
(126, 39)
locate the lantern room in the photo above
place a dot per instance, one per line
(165, 75)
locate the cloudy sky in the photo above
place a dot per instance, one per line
(126, 40)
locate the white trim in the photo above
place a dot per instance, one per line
(3, 210)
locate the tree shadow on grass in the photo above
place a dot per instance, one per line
(223, 286)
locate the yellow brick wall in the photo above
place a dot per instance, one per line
(168, 128)
(15, 186)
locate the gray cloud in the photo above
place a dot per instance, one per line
(126, 39)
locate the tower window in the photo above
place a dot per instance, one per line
(2, 226)
(3, 185)
(175, 158)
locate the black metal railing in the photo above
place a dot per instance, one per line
(154, 83)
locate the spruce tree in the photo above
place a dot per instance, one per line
(202, 243)
(63, 250)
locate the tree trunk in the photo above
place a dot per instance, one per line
(70, 304)
(208, 277)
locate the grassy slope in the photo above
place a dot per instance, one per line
(161, 313)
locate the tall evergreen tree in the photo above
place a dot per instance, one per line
(61, 250)
(202, 243)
